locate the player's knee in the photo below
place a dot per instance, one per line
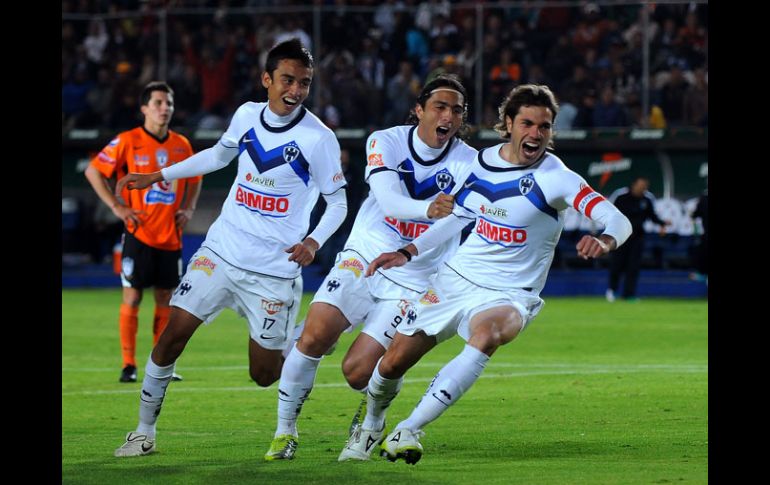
(391, 367)
(356, 373)
(314, 342)
(264, 377)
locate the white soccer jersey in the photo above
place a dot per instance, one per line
(519, 216)
(280, 173)
(375, 232)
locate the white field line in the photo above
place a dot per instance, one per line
(573, 370)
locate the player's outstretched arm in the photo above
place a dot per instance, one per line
(593, 247)
(134, 181)
(441, 206)
(303, 253)
(392, 259)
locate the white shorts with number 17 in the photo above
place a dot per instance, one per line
(269, 304)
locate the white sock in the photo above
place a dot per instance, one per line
(380, 393)
(297, 377)
(154, 385)
(447, 387)
(297, 332)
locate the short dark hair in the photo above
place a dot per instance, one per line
(144, 98)
(525, 95)
(444, 80)
(290, 49)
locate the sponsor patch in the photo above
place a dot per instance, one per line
(408, 230)
(501, 234)
(259, 202)
(490, 210)
(430, 298)
(204, 264)
(354, 265)
(375, 160)
(271, 307)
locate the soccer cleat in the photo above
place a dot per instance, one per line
(402, 443)
(609, 295)
(361, 444)
(282, 448)
(136, 445)
(358, 418)
(176, 377)
(128, 374)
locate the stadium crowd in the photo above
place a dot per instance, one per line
(372, 61)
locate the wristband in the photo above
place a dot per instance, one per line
(405, 253)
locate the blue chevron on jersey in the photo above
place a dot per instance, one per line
(441, 181)
(265, 160)
(526, 186)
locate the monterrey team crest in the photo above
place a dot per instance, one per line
(526, 184)
(443, 179)
(290, 153)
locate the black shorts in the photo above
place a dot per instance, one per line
(143, 266)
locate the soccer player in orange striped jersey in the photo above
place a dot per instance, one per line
(154, 217)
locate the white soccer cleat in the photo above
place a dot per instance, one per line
(403, 443)
(361, 444)
(136, 445)
(609, 295)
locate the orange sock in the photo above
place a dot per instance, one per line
(129, 322)
(159, 322)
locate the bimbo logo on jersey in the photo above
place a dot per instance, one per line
(408, 230)
(260, 202)
(353, 265)
(500, 234)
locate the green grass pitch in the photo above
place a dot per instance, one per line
(590, 393)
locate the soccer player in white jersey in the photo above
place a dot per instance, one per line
(251, 258)
(488, 292)
(412, 173)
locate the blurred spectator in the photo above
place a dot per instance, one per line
(214, 74)
(293, 28)
(696, 100)
(402, 92)
(504, 74)
(96, 41)
(608, 113)
(74, 101)
(672, 93)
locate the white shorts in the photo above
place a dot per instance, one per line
(448, 306)
(269, 304)
(377, 302)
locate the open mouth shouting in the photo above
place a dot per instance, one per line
(530, 149)
(442, 133)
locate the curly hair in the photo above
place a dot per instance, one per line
(525, 95)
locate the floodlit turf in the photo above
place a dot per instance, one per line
(591, 393)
